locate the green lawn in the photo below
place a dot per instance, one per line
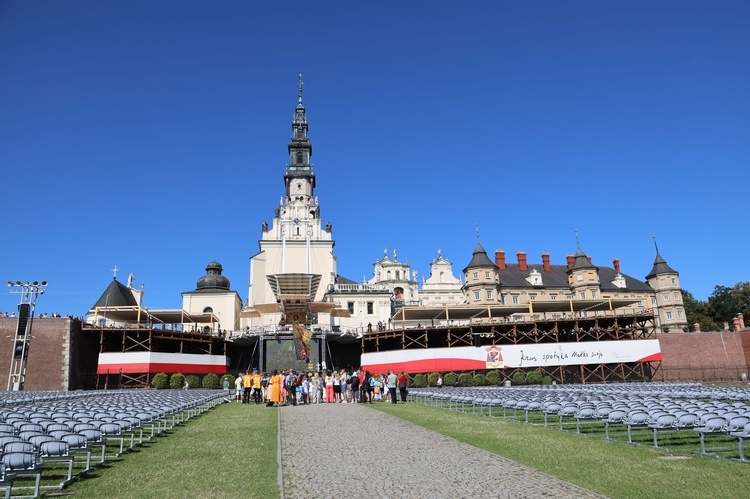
(231, 451)
(615, 469)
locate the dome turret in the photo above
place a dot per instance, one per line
(213, 278)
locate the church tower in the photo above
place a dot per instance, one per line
(296, 243)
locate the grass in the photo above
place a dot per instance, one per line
(615, 469)
(229, 451)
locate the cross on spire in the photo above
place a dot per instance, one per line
(656, 245)
(114, 272)
(299, 87)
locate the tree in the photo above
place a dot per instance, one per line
(725, 303)
(697, 311)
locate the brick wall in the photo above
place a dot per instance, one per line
(706, 356)
(47, 366)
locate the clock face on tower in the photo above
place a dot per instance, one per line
(296, 221)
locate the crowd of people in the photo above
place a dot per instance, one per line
(289, 387)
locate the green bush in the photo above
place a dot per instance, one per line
(210, 380)
(534, 377)
(432, 379)
(176, 381)
(450, 379)
(160, 381)
(192, 380)
(465, 379)
(479, 380)
(493, 378)
(420, 380)
(547, 380)
(227, 377)
(519, 378)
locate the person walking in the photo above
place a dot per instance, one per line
(238, 388)
(392, 383)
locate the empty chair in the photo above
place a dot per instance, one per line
(636, 419)
(665, 422)
(78, 445)
(23, 463)
(584, 414)
(95, 440)
(112, 432)
(713, 427)
(550, 409)
(534, 406)
(6, 481)
(741, 436)
(7, 429)
(615, 417)
(567, 411)
(57, 451)
(686, 421)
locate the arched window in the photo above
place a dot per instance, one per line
(398, 274)
(208, 310)
(299, 158)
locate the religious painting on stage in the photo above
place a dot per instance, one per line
(282, 355)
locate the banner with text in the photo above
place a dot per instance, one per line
(503, 356)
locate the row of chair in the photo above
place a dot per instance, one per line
(659, 408)
(69, 431)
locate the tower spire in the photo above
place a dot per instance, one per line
(656, 245)
(299, 88)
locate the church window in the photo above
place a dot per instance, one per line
(350, 307)
(583, 295)
(674, 281)
(388, 275)
(398, 274)
(486, 275)
(476, 295)
(669, 316)
(208, 310)
(299, 158)
(640, 303)
(679, 314)
(298, 231)
(475, 275)
(653, 302)
(489, 295)
(580, 277)
(369, 308)
(515, 299)
(665, 297)
(677, 296)
(593, 294)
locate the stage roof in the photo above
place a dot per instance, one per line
(135, 314)
(467, 312)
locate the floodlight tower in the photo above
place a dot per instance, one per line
(29, 292)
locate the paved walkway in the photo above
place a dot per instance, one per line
(326, 454)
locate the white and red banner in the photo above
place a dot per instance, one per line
(502, 356)
(157, 362)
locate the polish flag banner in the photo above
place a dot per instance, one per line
(502, 356)
(158, 362)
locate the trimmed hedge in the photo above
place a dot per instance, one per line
(450, 379)
(465, 379)
(176, 381)
(210, 380)
(160, 381)
(492, 378)
(192, 380)
(432, 379)
(519, 378)
(420, 381)
(479, 380)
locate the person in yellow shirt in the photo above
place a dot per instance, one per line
(247, 384)
(257, 390)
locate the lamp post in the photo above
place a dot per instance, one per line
(29, 292)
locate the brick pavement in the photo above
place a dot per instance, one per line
(350, 450)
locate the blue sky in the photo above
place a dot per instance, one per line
(152, 136)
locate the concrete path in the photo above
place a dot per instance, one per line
(351, 450)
